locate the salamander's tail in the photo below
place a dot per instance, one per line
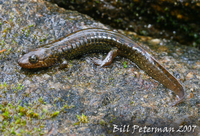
(172, 83)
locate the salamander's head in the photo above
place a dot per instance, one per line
(38, 58)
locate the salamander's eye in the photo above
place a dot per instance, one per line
(33, 59)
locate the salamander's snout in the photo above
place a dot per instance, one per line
(32, 59)
(22, 61)
(28, 60)
(38, 58)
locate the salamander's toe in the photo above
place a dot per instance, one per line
(96, 61)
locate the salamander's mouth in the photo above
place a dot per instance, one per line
(38, 58)
(24, 62)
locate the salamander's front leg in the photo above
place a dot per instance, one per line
(63, 63)
(107, 61)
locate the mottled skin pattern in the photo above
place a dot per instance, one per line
(100, 40)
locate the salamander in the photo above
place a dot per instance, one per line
(101, 40)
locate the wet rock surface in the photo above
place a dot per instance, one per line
(170, 19)
(83, 99)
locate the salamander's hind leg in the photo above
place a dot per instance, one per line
(108, 60)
